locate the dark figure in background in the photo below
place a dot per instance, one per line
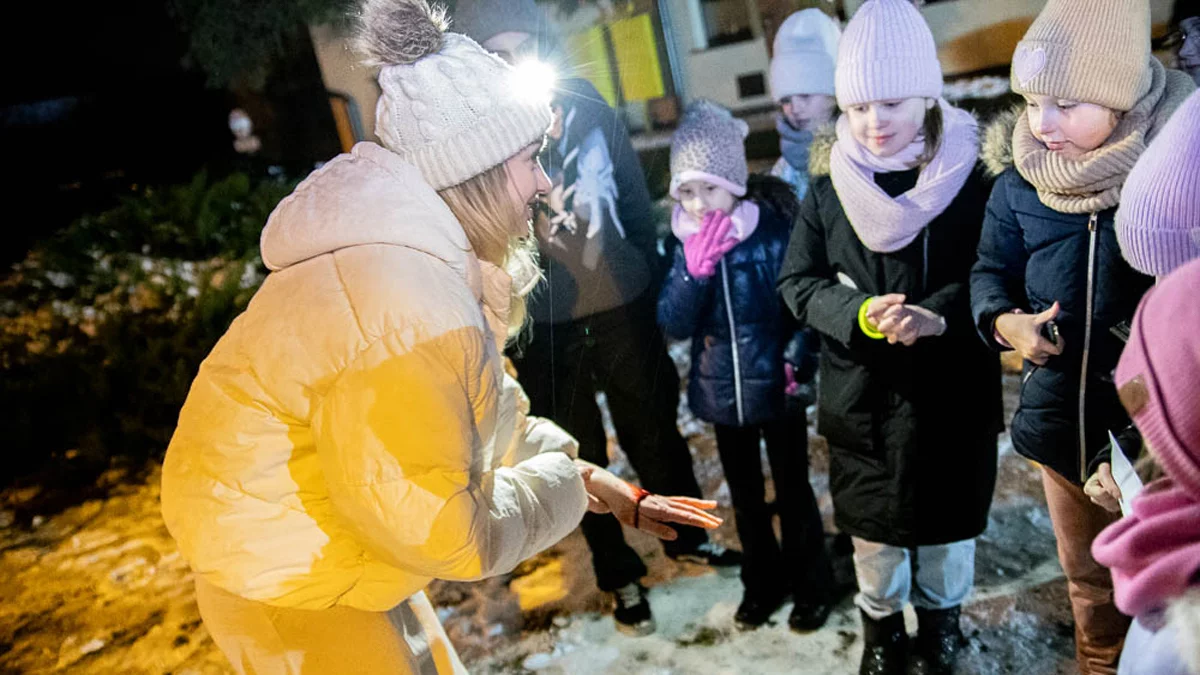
(594, 317)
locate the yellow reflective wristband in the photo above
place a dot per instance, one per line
(865, 325)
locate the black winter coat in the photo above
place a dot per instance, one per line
(911, 430)
(737, 381)
(1030, 256)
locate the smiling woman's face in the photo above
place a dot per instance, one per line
(526, 181)
(887, 127)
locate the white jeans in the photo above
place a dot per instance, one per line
(944, 576)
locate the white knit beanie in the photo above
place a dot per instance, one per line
(887, 52)
(448, 106)
(709, 145)
(804, 55)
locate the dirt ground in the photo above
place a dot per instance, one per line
(101, 588)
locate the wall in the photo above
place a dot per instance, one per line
(343, 73)
(978, 34)
(713, 73)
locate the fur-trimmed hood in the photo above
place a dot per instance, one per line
(996, 146)
(822, 147)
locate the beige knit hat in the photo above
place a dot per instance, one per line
(448, 106)
(1093, 51)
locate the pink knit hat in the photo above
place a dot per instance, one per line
(1158, 221)
(1158, 377)
(887, 52)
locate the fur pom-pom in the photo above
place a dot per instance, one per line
(391, 32)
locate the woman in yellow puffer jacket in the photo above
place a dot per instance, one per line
(354, 434)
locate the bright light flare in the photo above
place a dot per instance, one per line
(533, 80)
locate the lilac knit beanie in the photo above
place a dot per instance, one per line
(1158, 220)
(887, 52)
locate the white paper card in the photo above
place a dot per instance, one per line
(1123, 473)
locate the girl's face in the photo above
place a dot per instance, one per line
(527, 181)
(808, 112)
(698, 197)
(1069, 128)
(1189, 51)
(887, 127)
(507, 45)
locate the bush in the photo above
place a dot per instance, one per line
(104, 326)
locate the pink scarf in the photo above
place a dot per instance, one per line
(744, 217)
(885, 224)
(1154, 552)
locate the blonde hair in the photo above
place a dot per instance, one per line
(485, 210)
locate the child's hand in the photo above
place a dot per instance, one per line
(703, 250)
(1023, 332)
(790, 386)
(880, 304)
(1102, 488)
(908, 323)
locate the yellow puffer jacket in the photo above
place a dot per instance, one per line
(353, 435)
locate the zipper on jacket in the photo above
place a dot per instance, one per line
(737, 366)
(925, 260)
(1087, 344)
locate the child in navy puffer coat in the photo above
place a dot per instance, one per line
(720, 293)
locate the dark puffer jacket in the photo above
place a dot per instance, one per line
(736, 382)
(1029, 257)
(911, 430)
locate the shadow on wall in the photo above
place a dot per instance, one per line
(987, 47)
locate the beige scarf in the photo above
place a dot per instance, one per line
(1093, 182)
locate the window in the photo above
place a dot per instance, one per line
(725, 22)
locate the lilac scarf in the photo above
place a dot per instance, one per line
(885, 224)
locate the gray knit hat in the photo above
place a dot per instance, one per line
(709, 145)
(482, 20)
(448, 106)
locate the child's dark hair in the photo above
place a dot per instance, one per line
(932, 131)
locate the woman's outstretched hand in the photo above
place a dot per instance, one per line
(636, 508)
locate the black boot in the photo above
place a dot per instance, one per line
(756, 609)
(632, 613)
(809, 616)
(885, 645)
(939, 639)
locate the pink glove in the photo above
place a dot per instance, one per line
(791, 386)
(704, 250)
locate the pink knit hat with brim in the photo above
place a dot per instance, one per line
(1158, 220)
(886, 53)
(1158, 377)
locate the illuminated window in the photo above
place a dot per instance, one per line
(724, 22)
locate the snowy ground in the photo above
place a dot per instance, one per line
(100, 588)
